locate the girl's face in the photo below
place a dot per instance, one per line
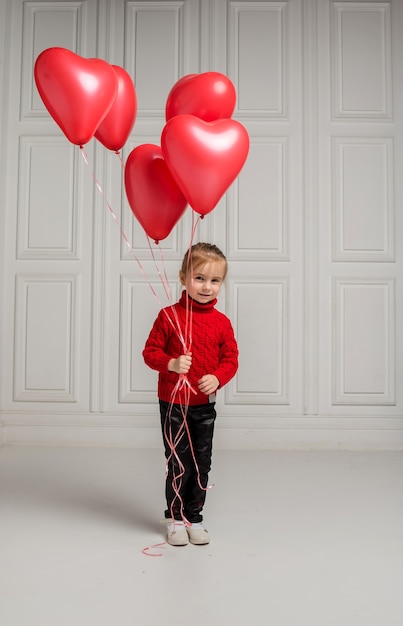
(205, 282)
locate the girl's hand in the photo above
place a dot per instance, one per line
(181, 365)
(208, 384)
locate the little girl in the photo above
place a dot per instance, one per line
(193, 347)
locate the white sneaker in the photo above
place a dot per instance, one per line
(176, 534)
(197, 534)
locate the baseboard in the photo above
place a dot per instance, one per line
(269, 433)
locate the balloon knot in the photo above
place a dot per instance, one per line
(156, 241)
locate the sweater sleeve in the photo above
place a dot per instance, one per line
(155, 350)
(228, 364)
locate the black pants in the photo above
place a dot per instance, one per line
(186, 483)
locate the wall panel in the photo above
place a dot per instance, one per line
(46, 336)
(363, 199)
(364, 340)
(48, 25)
(160, 40)
(264, 222)
(49, 240)
(257, 39)
(267, 167)
(47, 222)
(263, 376)
(362, 52)
(360, 269)
(137, 383)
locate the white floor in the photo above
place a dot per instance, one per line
(298, 539)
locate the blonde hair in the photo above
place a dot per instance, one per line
(201, 253)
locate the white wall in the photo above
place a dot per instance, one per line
(311, 227)
(3, 161)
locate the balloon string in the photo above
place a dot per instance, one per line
(111, 211)
(177, 476)
(123, 234)
(189, 272)
(168, 286)
(186, 338)
(125, 239)
(182, 390)
(117, 152)
(180, 395)
(155, 545)
(168, 292)
(183, 387)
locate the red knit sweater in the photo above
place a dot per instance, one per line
(214, 347)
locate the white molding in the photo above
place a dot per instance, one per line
(5, 35)
(337, 11)
(31, 16)
(186, 36)
(339, 395)
(339, 145)
(282, 11)
(282, 394)
(28, 161)
(72, 285)
(311, 206)
(264, 433)
(280, 145)
(99, 285)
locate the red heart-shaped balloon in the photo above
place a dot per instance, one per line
(77, 92)
(209, 96)
(204, 157)
(154, 198)
(116, 127)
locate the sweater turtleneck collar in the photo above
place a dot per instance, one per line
(187, 301)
